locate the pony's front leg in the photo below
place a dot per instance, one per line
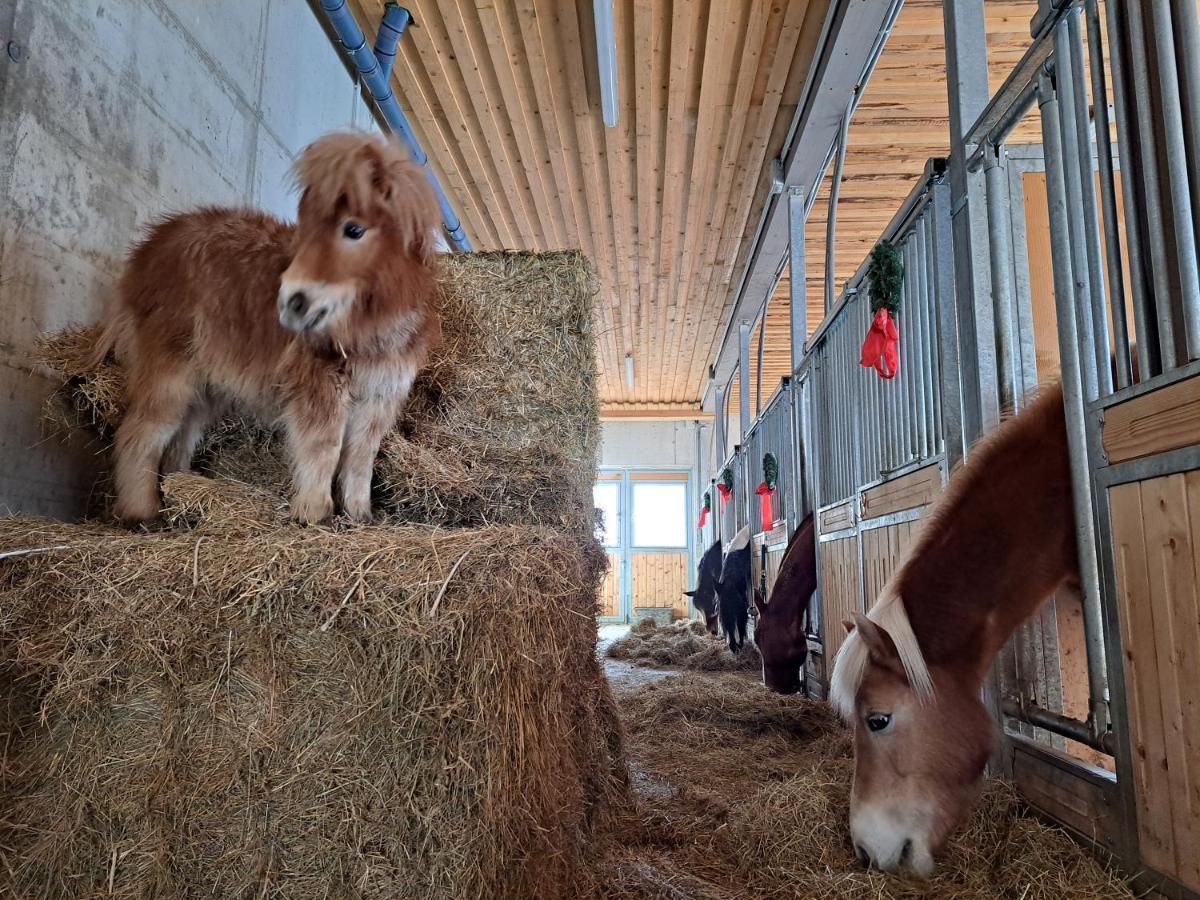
(315, 429)
(366, 425)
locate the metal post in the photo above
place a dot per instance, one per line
(743, 382)
(1170, 133)
(1089, 224)
(929, 383)
(762, 333)
(1000, 245)
(1076, 213)
(797, 276)
(967, 83)
(1187, 24)
(721, 440)
(1073, 399)
(905, 376)
(1152, 213)
(1108, 195)
(948, 340)
(1131, 190)
(835, 190)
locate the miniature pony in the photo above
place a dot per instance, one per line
(320, 326)
(909, 677)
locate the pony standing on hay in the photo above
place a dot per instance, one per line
(321, 326)
(909, 678)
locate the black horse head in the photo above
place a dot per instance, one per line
(705, 594)
(733, 590)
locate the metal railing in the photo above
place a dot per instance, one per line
(866, 429)
(772, 433)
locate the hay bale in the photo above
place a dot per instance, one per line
(502, 427)
(246, 709)
(685, 644)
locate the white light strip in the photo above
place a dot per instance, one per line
(606, 56)
(629, 370)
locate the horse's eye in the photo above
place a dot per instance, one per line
(353, 231)
(878, 721)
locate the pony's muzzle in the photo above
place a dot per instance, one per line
(309, 307)
(882, 845)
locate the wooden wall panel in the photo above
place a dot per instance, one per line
(659, 579)
(840, 591)
(914, 489)
(837, 517)
(1166, 419)
(883, 549)
(610, 589)
(1156, 534)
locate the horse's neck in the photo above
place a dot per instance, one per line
(999, 546)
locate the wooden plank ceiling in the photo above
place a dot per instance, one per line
(503, 96)
(901, 121)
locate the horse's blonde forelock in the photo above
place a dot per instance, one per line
(851, 664)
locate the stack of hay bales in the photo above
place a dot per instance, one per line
(236, 706)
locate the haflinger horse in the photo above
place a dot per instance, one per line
(780, 631)
(705, 595)
(321, 326)
(909, 677)
(733, 590)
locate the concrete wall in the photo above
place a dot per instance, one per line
(116, 112)
(650, 445)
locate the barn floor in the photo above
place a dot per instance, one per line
(742, 793)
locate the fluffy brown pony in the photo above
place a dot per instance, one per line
(320, 326)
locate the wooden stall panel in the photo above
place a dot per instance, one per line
(1166, 419)
(837, 517)
(1156, 535)
(610, 589)
(659, 579)
(914, 489)
(839, 591)
(883, 550)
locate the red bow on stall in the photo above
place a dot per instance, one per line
(703, 516)
(881, 349)
(725, 492)
(764, 498)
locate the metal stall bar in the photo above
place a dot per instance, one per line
(1186, 18)
(1090, 222)
(743, 381)
(1170, 133)
(930, 381)
(1150, 194)
(905, 375)
(835, 190)
(948, 340)
(1131, 189)
(1076, 211)
(797, 275)
(917, 351)
(1108, 194)
(1069, 350)
(1001, 254)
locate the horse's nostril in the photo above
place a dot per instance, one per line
(297, 302)
(906, 853)
(862, 855)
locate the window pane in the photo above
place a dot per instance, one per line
(659, 515)
(606, 496)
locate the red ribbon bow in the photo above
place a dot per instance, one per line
(881, 349)
(764, 498)
(724, 492)
(703, 516)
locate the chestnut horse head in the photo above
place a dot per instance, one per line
(705, 595)
(909, 677)
(782, 621)
(366, 215)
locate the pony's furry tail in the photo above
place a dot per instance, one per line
(734, 614)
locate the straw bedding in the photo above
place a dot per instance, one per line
(684, 644)
(743, 793)
(241, 708)
(502, 426)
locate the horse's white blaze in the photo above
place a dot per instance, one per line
(851, 663)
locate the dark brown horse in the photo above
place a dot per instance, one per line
(783, 619)
(704, 597)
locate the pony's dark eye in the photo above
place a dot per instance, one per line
(353, 231)
(878, 721)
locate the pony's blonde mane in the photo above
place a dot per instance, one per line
(851, 664)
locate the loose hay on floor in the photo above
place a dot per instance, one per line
(686, 644)
(744, 793)
(502, 427)
(246, 709)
